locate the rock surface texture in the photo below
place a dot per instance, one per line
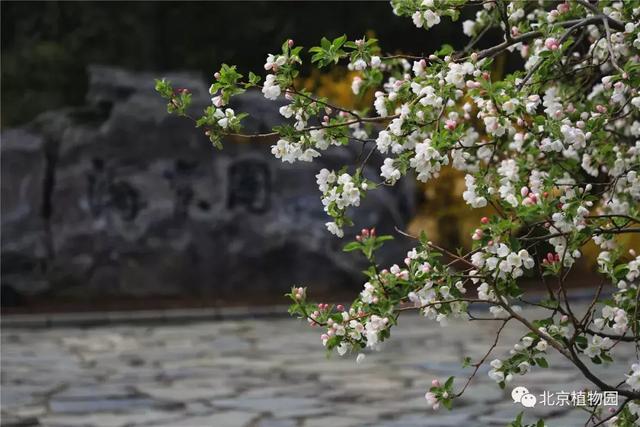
(117, 198)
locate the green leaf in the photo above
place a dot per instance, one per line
(163, 87)
(445, 50)
(581, 341)
(449, 383)
(338, 42)
(423, 238)
(466, 362)
(542, 362)
(518, 421)
(254, 78)
(353, 246)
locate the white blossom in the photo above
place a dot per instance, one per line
(334, 229)
(389, 172)
(271, 89)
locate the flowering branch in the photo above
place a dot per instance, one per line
(553, 148)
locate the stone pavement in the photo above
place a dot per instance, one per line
(261, 373)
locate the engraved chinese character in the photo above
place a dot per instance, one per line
(249, 186)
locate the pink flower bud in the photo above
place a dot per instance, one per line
(358, 238)
(601, 108)
(435, 383)
(550, 257)
(217, 76)
(364, 232)
(407, 261)
(340, 307)
(563, 7)
(632, 252)
(451, 124)
(484, 220)
(515, 31)
(551, 43)
(524, 191)
(373, 232)
(290, 42)
(564, 318)
(217, 101)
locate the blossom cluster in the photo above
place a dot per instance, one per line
(550, 152)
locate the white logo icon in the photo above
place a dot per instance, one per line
(521, 395)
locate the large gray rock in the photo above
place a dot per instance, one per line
(25, 178)
(118, 198)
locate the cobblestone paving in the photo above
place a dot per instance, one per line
(260, 373)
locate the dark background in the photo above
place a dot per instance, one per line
(73, 138)
(46, 46)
